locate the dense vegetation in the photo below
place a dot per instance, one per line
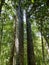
(24, 32)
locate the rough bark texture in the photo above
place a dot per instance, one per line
(30, 47)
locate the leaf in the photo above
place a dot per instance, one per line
(32, 1)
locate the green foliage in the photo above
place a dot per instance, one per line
(40, 11)
(32, 1)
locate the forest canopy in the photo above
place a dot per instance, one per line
(24, 32)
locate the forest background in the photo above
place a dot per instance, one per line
(24, 32)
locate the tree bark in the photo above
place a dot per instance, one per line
(30, 47)
(12, 55)
(42, 41)
(20, 35)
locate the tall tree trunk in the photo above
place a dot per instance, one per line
(13, 46)
(16, 42)
(12, 55)
(1, 34)
(30, 47)
(1, 30)
(20, 35)
(42, 40)
(13, 49)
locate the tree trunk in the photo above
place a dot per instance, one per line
(12, 55)
(1, 30)
(42, 41)
(13, 47)
(20, 35)
(30, 47)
